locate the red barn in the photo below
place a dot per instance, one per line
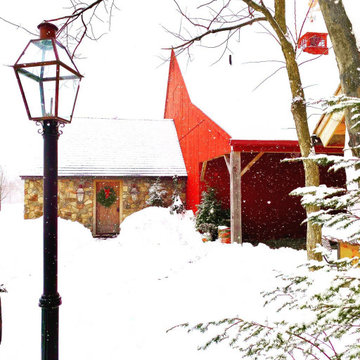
(213, 159)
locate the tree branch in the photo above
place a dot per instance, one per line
(84, 13)
(18, 26)
(214, 31)
(75, 15)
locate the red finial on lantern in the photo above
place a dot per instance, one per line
(47, 30)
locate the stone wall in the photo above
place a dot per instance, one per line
(68, 206)
(135, 193)
(33, 199)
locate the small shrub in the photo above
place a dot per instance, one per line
(177, 206)
(156, 194)
(211, 214)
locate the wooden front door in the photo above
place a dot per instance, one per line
(107, 208)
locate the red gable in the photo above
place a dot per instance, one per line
(201, 139)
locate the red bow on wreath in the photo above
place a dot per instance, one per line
(107, 193)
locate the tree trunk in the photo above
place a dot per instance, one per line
(347, 58)
(312, 176)
(280, 14)
(298, 109)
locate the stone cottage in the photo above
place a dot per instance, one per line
(106, 168)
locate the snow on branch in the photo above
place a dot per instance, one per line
(340, 103)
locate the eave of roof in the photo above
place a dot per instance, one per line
(330, 128)
(118, 148)
(276, 146)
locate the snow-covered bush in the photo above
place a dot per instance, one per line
(156, 194)
(177, 206)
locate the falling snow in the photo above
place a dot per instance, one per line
(121, 295)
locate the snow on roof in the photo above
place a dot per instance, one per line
(118, 147)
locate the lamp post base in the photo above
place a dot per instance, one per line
(50, 326)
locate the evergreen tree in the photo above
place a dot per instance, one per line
(211, 214)
(177, 205)
(331, 333)
(156, 194)
(339, 208)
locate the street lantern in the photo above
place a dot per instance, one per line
(48, 78)
(49, 83)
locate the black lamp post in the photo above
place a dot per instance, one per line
(49, 84)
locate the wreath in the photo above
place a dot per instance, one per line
(106, 196)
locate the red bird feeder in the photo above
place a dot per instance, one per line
(314, 43)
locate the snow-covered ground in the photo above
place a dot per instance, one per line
(121, 295)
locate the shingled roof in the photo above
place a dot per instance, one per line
(117, 147)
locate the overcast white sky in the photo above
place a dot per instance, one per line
(125, 75)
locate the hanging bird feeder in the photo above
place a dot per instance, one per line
(314, 43)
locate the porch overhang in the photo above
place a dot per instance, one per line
(258, 147)
(276, 146)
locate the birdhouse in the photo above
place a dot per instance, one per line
(314, 43)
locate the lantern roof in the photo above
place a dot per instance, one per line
(46, 51)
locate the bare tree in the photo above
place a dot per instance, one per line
(229, 18)
(347, 58)
(84, 20)
(4, 186)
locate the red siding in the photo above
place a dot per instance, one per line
(268, 211)
(217, 176)
(200, 138)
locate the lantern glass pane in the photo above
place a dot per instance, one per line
(64, 56)
(38, 51)
(68, 86)
(39, 84)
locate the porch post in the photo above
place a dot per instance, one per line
(235, 196)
